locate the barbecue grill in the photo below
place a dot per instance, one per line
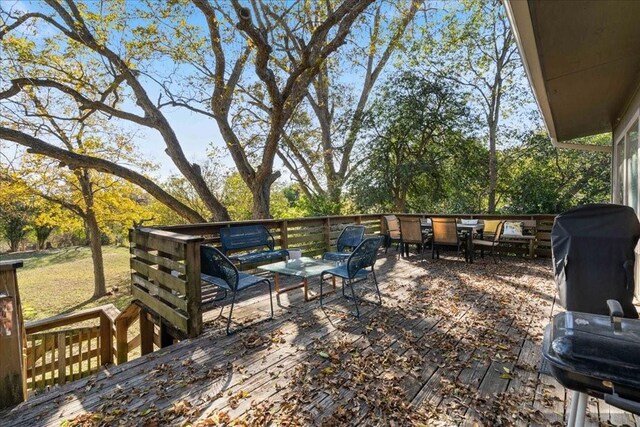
(593, 256)
(588, 352)
(596, 355)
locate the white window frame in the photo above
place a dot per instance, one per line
(620, 149)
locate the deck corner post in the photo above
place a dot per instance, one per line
(13, 375)
(106, 339)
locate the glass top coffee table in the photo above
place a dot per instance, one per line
(303, 267)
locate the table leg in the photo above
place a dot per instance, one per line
(470, 248)
(312, 297)
(279, 290)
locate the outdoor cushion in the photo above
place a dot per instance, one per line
(491, 225)
(469, 221)
(512, 228)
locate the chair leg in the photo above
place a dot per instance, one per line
(270, 298)
(375, 282)
(355, 300)
(233, 301)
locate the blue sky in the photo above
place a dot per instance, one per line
(195, 132)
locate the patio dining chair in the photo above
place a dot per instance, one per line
(445, 234)
(492, 243)
(357, 268)
(411, 233)
(349, 238)
(392, 225)
(219, 271)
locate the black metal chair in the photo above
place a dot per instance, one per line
(218, 270)
(348, 239)
(355, 269)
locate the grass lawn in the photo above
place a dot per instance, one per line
(60, 280)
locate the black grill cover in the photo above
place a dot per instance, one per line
(593, 257)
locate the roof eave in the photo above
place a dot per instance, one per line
(522, 27)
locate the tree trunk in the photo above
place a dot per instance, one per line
(99, 283)
(261, 191)
(493, 168)
(93, 229)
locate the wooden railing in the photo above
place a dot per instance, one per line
(55, 356)
(146, 338)
(165, 263)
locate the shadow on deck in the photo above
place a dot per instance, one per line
(454, 343)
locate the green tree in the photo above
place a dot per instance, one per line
(540, 178)
(476, 49)
(415, 130)
(14, 224)
(82, 191)
(237, 196)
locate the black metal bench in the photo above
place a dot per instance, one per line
(247, 238)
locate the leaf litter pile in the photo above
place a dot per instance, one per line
(452, 342)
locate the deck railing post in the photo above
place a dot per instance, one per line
(106, 339)
(194, 290)
(327, 233)
(284, 234)
(146, 333)
(13, 387)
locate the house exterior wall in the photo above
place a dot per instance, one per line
(626, 166)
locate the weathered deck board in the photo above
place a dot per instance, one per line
(453, 343)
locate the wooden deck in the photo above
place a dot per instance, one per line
(453, 343)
